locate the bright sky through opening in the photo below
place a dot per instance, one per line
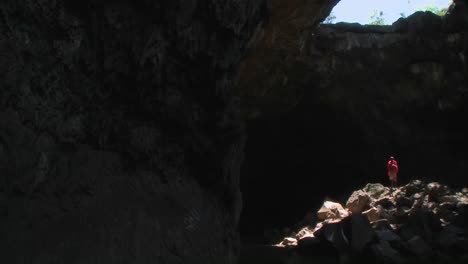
(360, 10)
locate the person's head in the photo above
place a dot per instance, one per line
(392, 158)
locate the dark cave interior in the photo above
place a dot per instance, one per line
(179, 131)
(319, 153)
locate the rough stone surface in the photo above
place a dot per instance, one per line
(120, 141)
(416, 231)
(376, 190)
(331, 210)
(372, 214)
(358, 201)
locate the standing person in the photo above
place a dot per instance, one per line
(392, 166)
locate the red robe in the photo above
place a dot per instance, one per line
(392, 167)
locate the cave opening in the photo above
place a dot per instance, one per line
(362, 97)
(381, 12)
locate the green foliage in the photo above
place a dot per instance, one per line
(434, 9)
(377, 18)
(330, 19)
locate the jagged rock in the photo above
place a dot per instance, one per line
(400, 231)
(415, 186)
(353, 232)
(289, 241)
(434, 190)
(453, 199)
(446, 212)
(385, 202)
(331, 210)
(358, 201)
(305, 232)
(417, 196)
(376, 190)
(462, 198)
(464, 190)
(373, 214)
(402, 200)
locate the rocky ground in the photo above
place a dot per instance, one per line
(418, 222)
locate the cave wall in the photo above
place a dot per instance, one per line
(119, 138)
(326, 123)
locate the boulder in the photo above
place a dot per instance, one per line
(462, 199)
(415, 186)
(376, 190)
(446, 212)
(358, 201)
(434, 190)
(335, 234)
(433, 187)
(416, 220)
(351, 233)
(417, 196)
(361, 232)
(331, 210)
(453, 199)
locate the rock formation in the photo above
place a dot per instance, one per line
(415, 222)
